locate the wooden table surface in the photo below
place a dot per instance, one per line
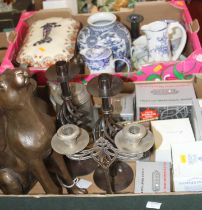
(195, 8)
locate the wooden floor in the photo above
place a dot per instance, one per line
(195, 8)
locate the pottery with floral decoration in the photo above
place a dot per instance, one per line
(104, 30)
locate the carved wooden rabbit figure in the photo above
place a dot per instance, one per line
(25, 138)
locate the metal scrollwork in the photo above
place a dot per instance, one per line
(104, 153)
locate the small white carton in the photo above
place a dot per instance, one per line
(152, 177)
(168, 132)
(187, 166)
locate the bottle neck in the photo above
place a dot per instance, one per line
(102, 28)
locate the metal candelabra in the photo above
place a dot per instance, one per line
(108, 175)
(107, 86)
(68, 113)
(113, 174)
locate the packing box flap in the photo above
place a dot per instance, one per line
(147, 9)
(2, 54)
(161, 9)
(42, 14)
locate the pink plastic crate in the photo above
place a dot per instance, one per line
(161, 71)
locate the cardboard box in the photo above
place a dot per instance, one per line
(152, 177)
(3, 44)
(127, 199)
(164, 101)
(187, 166)
(96, 199)
(169, 101)
(169, 132)
(175, 10)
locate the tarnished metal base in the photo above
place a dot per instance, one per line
(80, 167)
(121, 176)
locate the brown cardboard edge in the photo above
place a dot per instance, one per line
(2, 54)
(104, 195)
(4, 39)
(12, 36)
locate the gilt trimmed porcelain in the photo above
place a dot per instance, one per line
(100, 60)
(158, 40)
(104, 30)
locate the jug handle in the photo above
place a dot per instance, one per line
(126, 61)
(178, 52)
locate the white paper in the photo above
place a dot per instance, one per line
(82, 183)
(153, 205)
(200, 102)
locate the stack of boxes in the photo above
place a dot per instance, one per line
(177, 132)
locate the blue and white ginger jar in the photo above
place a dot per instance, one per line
(104, 30)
